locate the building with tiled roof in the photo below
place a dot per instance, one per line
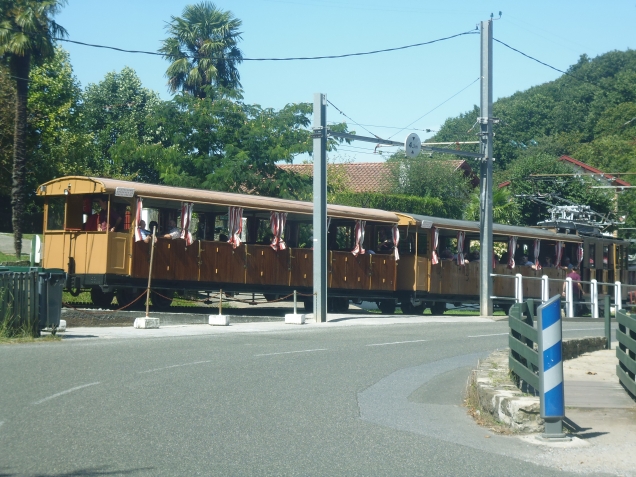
(372, 176)
(593, 171)
(582, 168)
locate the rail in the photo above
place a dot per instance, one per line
(626, 350)
(569, 292)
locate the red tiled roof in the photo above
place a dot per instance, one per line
(368, 176)
(592, 170)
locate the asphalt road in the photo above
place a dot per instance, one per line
(314, 400)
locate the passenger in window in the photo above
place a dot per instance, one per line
(567, 264)
(173, 232)
(385, 245)
(525, 261)
(548, 262)
(446, 254)
(107, 221)
(154, 225)
(146, 235)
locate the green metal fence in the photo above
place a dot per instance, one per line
(524, 358)
(626, 350)
(19, 302)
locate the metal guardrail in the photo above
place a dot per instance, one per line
(19, 300)
(524, 358)
(626, 350)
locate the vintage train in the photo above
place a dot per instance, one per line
(248, 243)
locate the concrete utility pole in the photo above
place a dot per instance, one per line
(320, 207)
(485, 217)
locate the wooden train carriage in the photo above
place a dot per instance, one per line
(422, 283)
(111, 260)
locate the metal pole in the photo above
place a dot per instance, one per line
(486, 137)
(618, 297)
(545, 288)
(295, 304)
(320, 207)
(594, 297)
(519, 287)
(220, 302)
(569, 298)
(608, 326)
(152, 255)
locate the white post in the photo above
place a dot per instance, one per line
(545, 288)
(618, 297)
(519, 288)
(594, 297)
(569, 301)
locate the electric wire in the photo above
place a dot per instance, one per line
(545, 64)
(442, 103)
(349, 118)
(296, 58)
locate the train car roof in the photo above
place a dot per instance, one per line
(425, 221)
(205, 200)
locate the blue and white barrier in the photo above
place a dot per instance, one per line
(551, 392)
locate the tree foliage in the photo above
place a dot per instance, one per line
(409, 204)
(27, 32)
(434, 179)
(203, 49)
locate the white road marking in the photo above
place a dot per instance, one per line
(494, 334)
(291, 352)
(396, 342)
(63, 393)
(175, 366)
(582, 329)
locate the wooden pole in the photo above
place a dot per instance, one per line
(152, 254)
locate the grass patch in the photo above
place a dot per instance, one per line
(29, 339)
(477, 412)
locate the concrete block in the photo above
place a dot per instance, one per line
(62, 326)
(146, 323)
(219, 320)
(295, 319)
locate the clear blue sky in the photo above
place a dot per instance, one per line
(387, 89)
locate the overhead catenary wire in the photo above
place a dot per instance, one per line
(293, 58)
(544, 63)
(439, 105)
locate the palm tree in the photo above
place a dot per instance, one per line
(203, 49)
(504, 208)
(27, 33)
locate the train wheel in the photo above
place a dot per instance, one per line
(126, 296)
(438, 308)
(387, 307)
(409, 309)
(161, 298)
(100, 298)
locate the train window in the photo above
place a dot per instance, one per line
(344, 238)
(406, 245)
(591, 255)
(605, 256)
(422, 244)
(55, 213)
(74, 212)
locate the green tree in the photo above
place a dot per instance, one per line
(550, 189)
(117, 112)
(202, 48)
(27, 32)
(505, 210)
(230, 146)
(437, 179)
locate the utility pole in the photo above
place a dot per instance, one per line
(320, 207)
(485, 216)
